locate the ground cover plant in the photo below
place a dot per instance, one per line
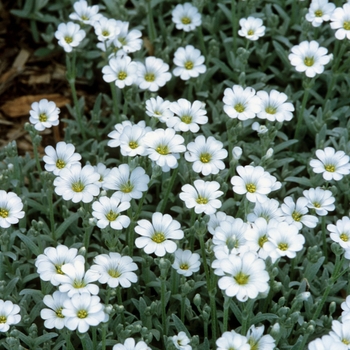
(200, 200)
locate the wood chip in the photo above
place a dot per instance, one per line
(22, 105)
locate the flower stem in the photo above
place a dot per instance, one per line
(151, 27)
(169, 188)
(301, 115)
(115, 101)
(163, 291)
(120, 302)
(226, 310)
(324, 241)
(70, 63)
(246, 316)
(235, 14)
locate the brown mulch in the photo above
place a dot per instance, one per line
(26, 78)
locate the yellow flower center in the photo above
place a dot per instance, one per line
(82, 314)
(283, 246)
(150, 77)
(78, 186)
(187, 119)
(317, 205)
(270, 110)
(4, 213)
(163, 150)
(262, 240)
(232, 242)
(250, 32)
(133, 144)
(241, 278)
(250, 188)
(318, 13)
(254, 345)
(114, 273)
(84, 17)
(309, 61)
(122, 41)
(157, 113)
(59, 312)
(158, 237)
(344, 237)
(189, 65)
(58, 269)
(346, 25)
(78, 284)
(111, 216)
(122, 75)
(127, 187)
(186, 20)
(239, 108)
(68, 39)
(42, 117)
(202, 200)
(3, 319)
(205, 157)
(105, 33)
(60, 164)
(184, 267)
(330, 168)
(346, 341)
(296, 216)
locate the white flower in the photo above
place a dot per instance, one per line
(130, 344)
(340, 232)
(254, 182)
(118, 130)
(237, 152)
(295, 213)
(231, 234)
(202, 196)
(258, 341)
(320, 200)
(232, 340)
(309, 57)
(164, 147)
(274, 106)
(345, 305)
(127, 184)
(69, 35)
(115, 270)
(186, 17)
(120, 70)
(327, 343)
(131, 140)
(319, 11)
(8, 315)
(252, 28)
(44, 114)
(181, 341)
(241, 103)
(153, 74)
(284, 240)
(106, 29)
(186, 262)
(341, 332)
(49, 265)
(206, 155)
(333, 165)
(187, 115)
(107, 212)
(257, 234)
(159, 108)
(61, 157)
(156, 237)
(84, 13)
(103, 171)
(269, 210)
(189, 62)
(260, 129)
(53, 316)
(82, 311)
(76, 280)
(127, 41)
(216, 219)
(77, 184)
(245, 276)
(10, 209)
(340, 20)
